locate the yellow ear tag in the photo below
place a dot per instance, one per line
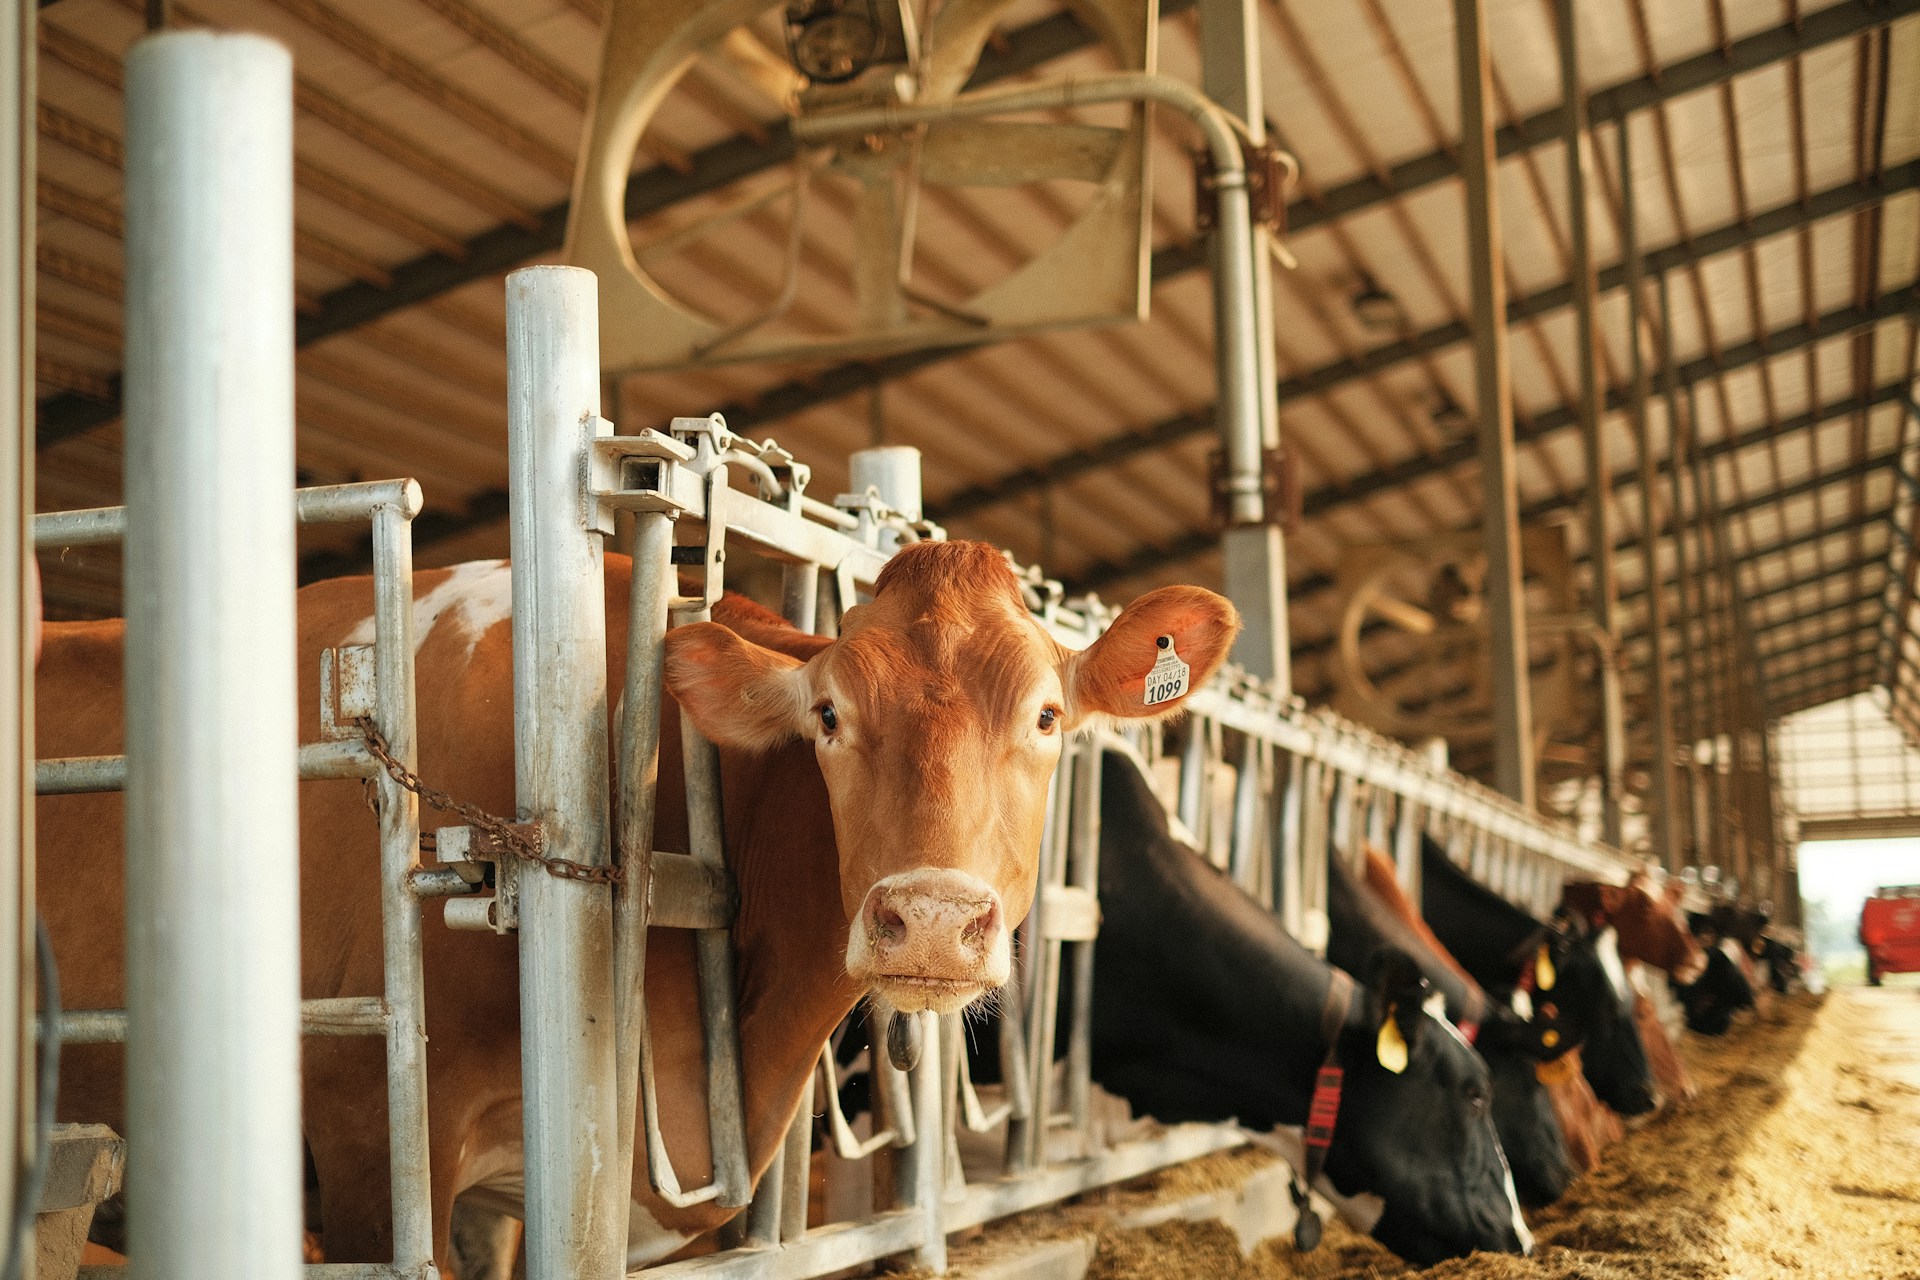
(1391, 1048)
(1543, 969)
(1558, 1071)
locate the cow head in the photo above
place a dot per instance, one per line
(1650, 930)
(1530, 1132)
(937, 718)
(1416, 1126)
(1580, 998)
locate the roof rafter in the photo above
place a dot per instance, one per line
(1839, 200)
(660, 186)
(1896, 304)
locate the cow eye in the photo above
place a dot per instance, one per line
(1475, 1095)
(829, 719)
(1047, 717)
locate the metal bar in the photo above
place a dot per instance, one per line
(76, 775)
(832, 1248)
(574, 1210)
(1500, 517)
(1083, 873)
(920, 1172)
(1603, 602)
(1247, 411)
(213, 961)
(713, 962)
(20, 615)
(1661, 830)
(650, 590)
(404, 975)
(337, 1016)
(317, 504)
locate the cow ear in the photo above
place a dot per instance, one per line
(1397, 993)
(1162, 647)
(738, 693)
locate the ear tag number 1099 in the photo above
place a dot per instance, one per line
(1169, 677)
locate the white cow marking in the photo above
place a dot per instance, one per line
(478, 595)
(1607, 947)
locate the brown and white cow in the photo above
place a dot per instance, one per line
(1652, 936)
(884, 795)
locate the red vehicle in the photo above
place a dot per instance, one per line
(1890, 931)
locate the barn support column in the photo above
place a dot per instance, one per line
(1684, 583)
(1661, 828)
(574, 1210)
(213, 930)
(1514, 770)
(1252, 545)
(1605, 600)
(17, 620)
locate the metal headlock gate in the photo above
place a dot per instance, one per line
(1300, 786)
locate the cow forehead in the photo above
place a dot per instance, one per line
(982, 665)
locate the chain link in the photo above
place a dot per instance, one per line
(526, 843)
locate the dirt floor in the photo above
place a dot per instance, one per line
(1800, 1157)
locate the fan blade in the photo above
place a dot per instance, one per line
(741, 52)
(1402, 614)
(1005, 153)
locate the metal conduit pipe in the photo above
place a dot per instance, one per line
(1237, 357)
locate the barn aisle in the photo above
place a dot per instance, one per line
(1800, 1157)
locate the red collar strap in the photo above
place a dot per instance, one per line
(1322, 1111)
(1469, 1024)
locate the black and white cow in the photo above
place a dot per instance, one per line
(1723, 990)
(1567, 980)
(1536, 1148)
(1204, 1008)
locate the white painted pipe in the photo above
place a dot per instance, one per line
(574, 1209)
(213, 924)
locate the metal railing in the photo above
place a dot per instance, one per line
(375, 681)
(1298, 786)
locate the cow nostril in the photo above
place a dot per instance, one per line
(981, 926)
(888, 924)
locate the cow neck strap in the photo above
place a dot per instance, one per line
(1322, 1111)
(1476, 1014)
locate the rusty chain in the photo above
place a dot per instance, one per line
(522, 842)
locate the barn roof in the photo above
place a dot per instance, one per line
(1775, 161)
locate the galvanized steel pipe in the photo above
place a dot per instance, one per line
(574, 1210)
(213, 956)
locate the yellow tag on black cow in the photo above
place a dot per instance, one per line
(1391, 1048)
(1543, 969)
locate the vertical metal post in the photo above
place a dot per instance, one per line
(213, 950)
(1661, 826)
(1683, 587)
(574, 1211)
(921, 1169)
(404, 980)
(1083, 871)
(650, 590)
(1716, 669)
(1500, 515)
(1249, 414)
(1605, 599)
(19, 618)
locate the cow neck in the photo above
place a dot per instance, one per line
(1177, 929)
(791, 931)
(1364, 921)
(1483, 930)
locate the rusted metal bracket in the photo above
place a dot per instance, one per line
(1270, 174)
(480, 856)
(1280, 488)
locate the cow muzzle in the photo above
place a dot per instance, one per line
(932, 939)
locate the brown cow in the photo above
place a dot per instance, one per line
(1653, 934)
(884, 796)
